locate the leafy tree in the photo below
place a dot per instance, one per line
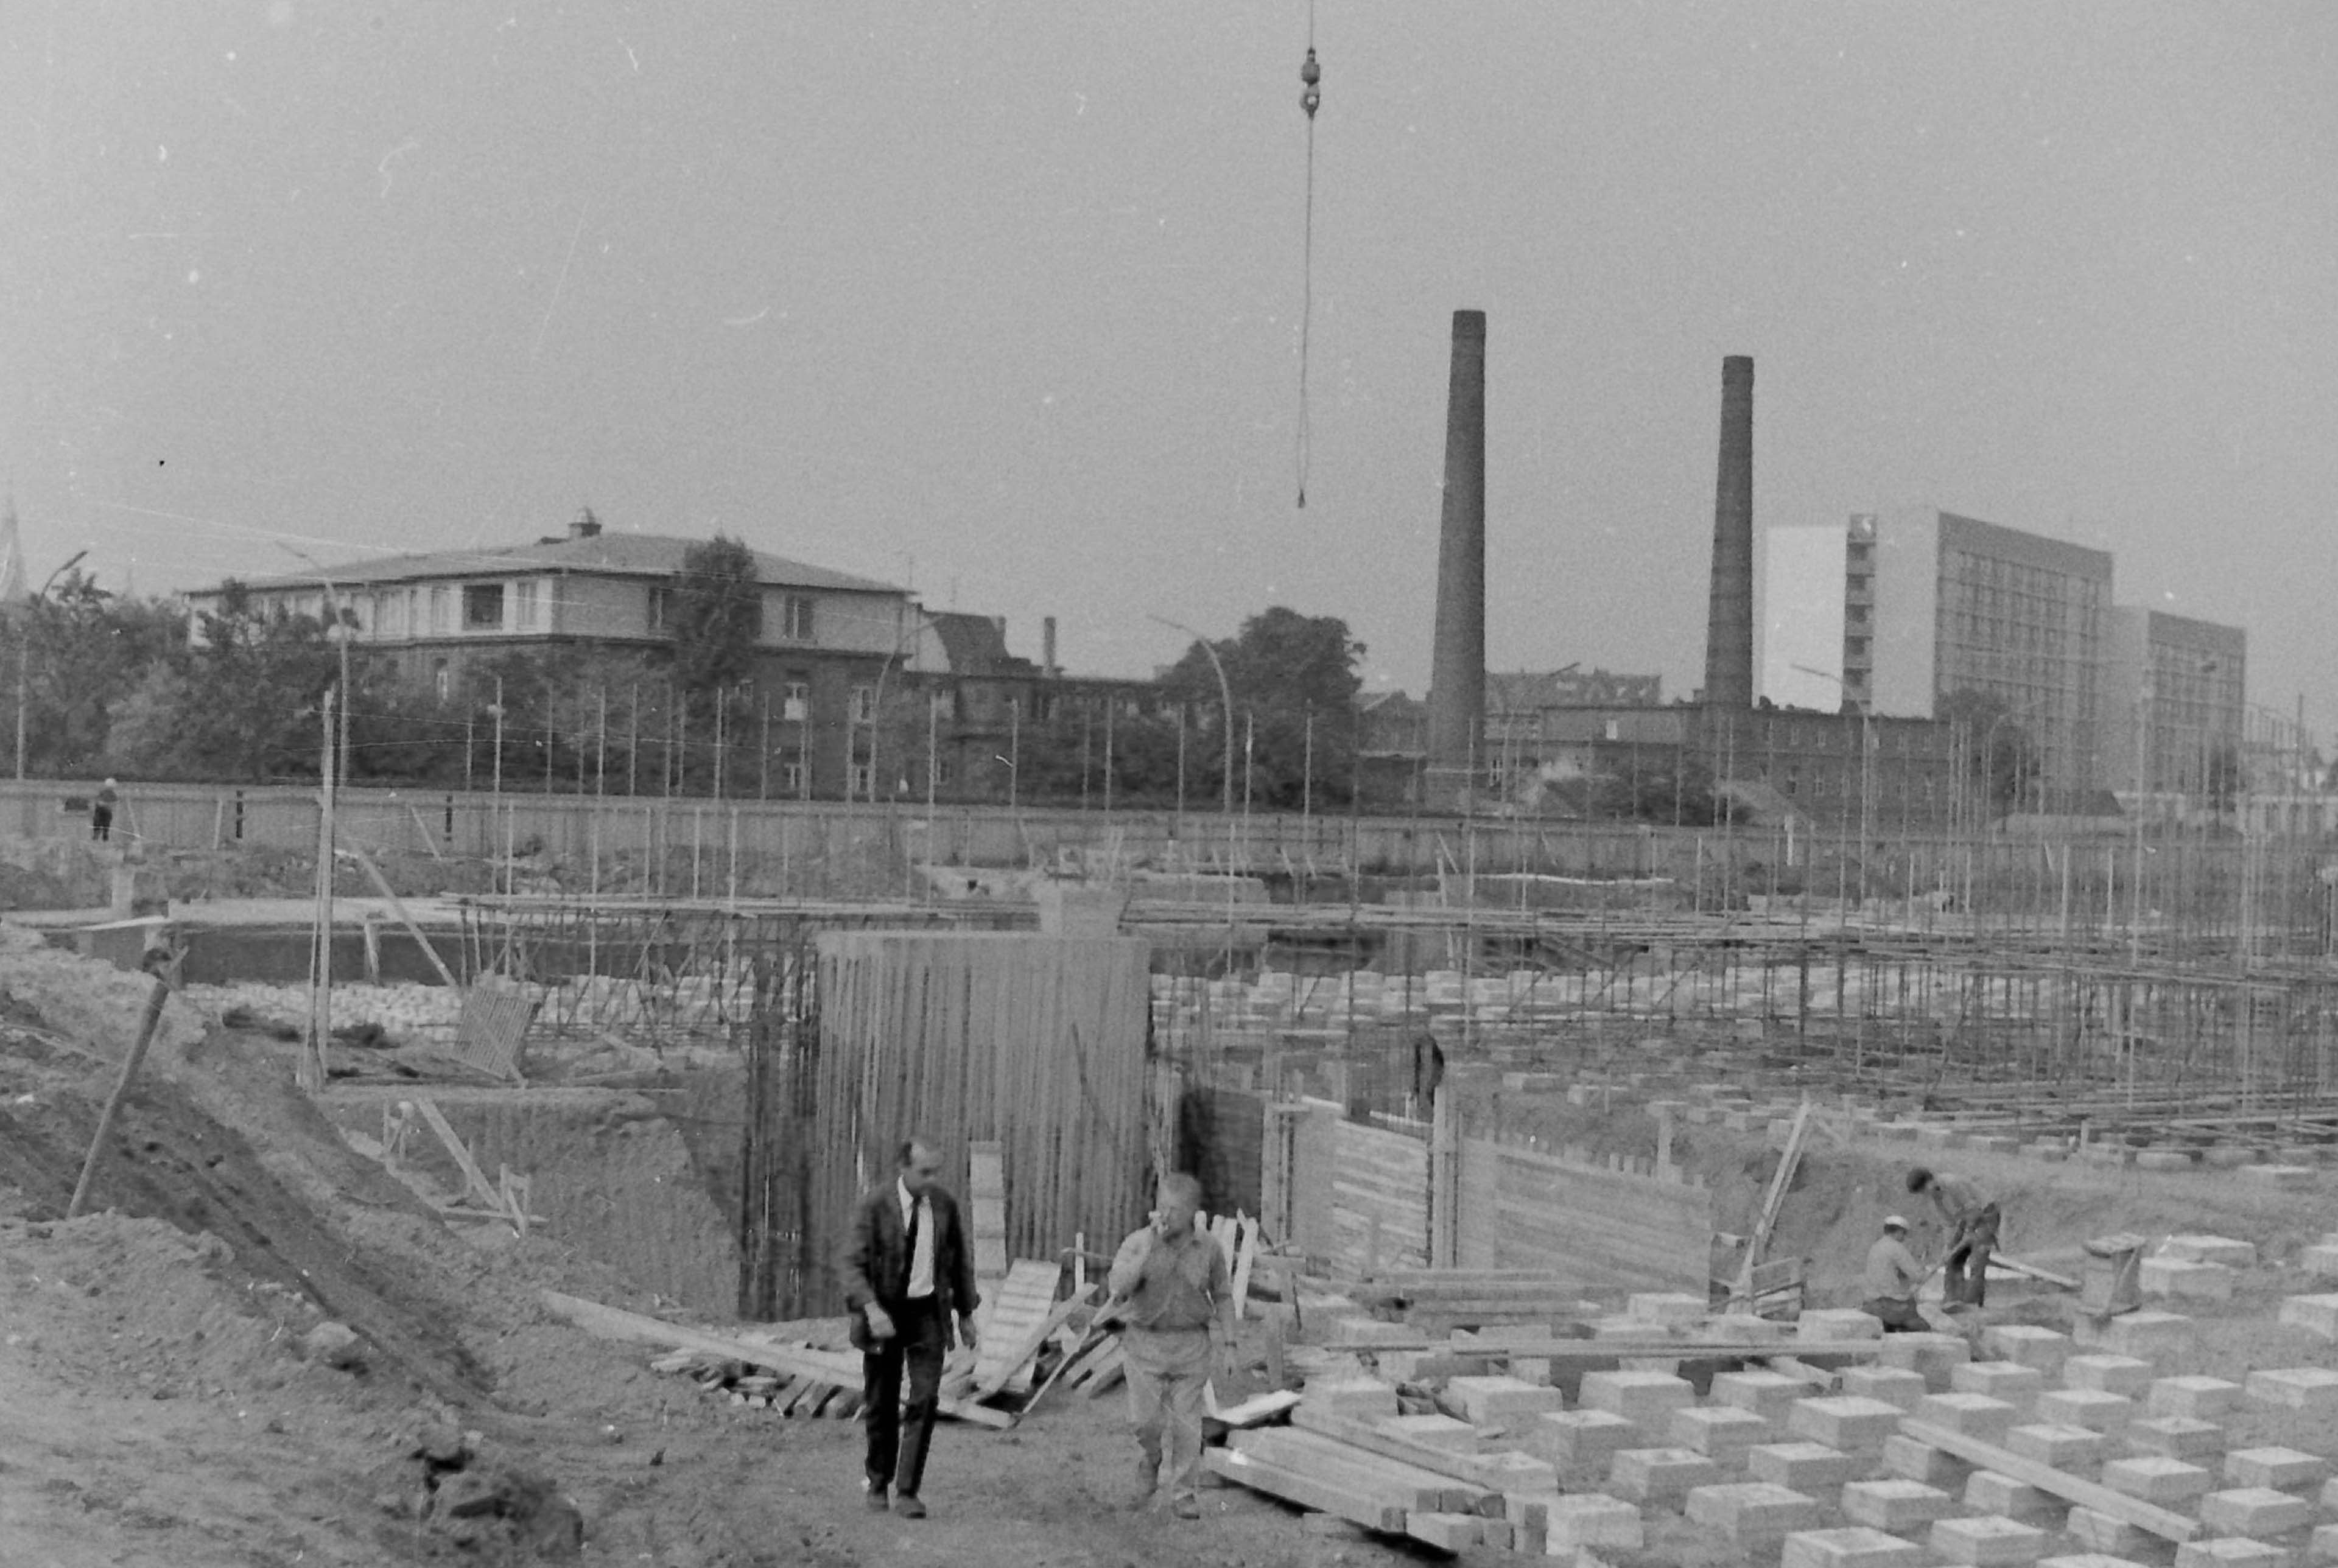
(242, 703)
(1671, 787)
(716, 614)
(82, 651)
(1294, 681)
(2001, 759)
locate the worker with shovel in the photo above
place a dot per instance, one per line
(1173, 1303)
(1973, 1220)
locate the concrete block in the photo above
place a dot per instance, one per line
(2104, 1533)
(1986, 1541)
(1836, 1323)
(1648, 1397)
(2088, 1407)
(1633, 1329)
(1913, 1461)
(1660, 1475)
(2256, 1511)
(2315, 1313)
(2014, 1384)
(1847, 1422)
(2164, 1160)
(1442, 1432)
(1668, 1306)
(1973, 1414)
(1769, 1395)
(2330, 1498)
(2123, 1375)
(2175, 1437)
(2178, 1278)
(2324, 1545)
(2230, 1552)
(1584, 1519)
(1892, 1385)
(2202, 1398)
(2320, 1260)
(1931, 1355)
(1990, 1492)
(1752, 1512)
(1570, 1438)
(2088, 1560)
(1812, 1468)
(1501, 1400)
(1364, 1397)
(2063, 1447)
(2157, 1479)
(2287, 1176)
(1857, 1547)
(2313, 1389)
(1741, 1328)
(2152, 1336)
(2026, 1345)
(2282, 1469)
(2224, 1250)
(1898, 1505)
(1722, 1432)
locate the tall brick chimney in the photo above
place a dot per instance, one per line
(1729, 621)
(1456, 677)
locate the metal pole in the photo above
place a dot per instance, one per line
(499, 735)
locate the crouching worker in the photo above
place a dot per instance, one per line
(1173, 1303)
(1892, 1276)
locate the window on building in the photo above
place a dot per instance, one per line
(661, 609)
(864, 704)
(791, 778)
(525, 594)
(795, 707)
(441, 612)
(795, 617)
(862, 782)
(442, 681)
(482, 606)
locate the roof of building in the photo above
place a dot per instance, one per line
(976, 644)
(616, 554)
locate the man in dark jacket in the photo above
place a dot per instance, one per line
(906, 1273)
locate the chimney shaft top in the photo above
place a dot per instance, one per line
(585, 526)
(1471, 324)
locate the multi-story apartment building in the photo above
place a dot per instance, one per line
(1934, 605)
(2174, 710)
(826, 642)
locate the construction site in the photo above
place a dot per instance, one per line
(462, 1178)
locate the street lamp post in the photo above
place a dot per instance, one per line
(1225, 696)
(24, 651)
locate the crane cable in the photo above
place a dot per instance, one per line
(1309, 73)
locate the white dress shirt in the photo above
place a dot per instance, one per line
(921, 1259)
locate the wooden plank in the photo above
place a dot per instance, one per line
(838, 1367)
(1999, 1260)
(1245, 1259)
(1781, 1182)
(1257, 1410)
(1446, 1532)
(1007, 1322)
(2119, 1506)
(1018, 1364)
(475, 1178)
(985, 1194)
(1335, 1459)
(1356, 1505)
(1474, 1468)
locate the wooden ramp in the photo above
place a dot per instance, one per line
(1009, 1322)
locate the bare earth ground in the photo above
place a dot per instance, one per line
(160, 1406)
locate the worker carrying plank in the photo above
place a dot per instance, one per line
(1892, 1276)
(1973, 1220)
(1173, 1303)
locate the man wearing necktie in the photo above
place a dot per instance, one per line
(906, 1275)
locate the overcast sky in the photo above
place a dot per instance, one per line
(1003, 301)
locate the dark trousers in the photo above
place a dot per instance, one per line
(1965, 1272)
(101, 822)
(1898, 1315)
(898, 1435)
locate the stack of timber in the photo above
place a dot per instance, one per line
(1438, 1301)
(720, 1377)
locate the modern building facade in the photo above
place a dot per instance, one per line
(1935, 605)
(2175, 711)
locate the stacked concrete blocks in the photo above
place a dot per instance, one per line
(1987, 1542)
(1856, 1547)
(2088, 1407)
(1892, 1385)
(2312, 1389)
(2126, 1375)
(2175, 1437)
(1845, 1421)
(2201, 1399)
(1752, 1514)
(2315, 1314)
(1648, 1475)
(1900, 1506)
(1581, 1437)
(1931, 1356)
